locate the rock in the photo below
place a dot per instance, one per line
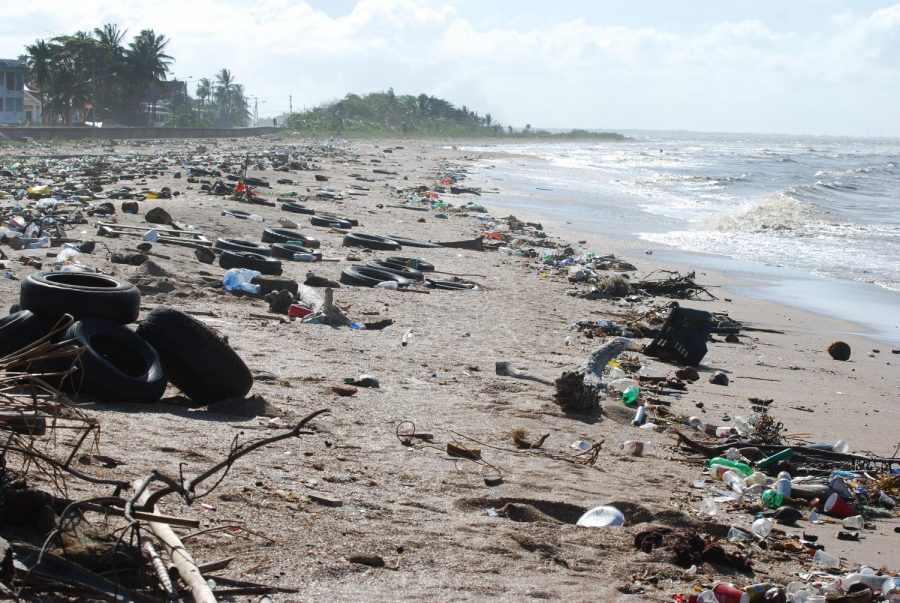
(366, 381)
(279, 301)
(158, 215)
(688, 374)
(839, 350)
(732, 338)
(787, 515)
(719, 378)
(87, 247)
(370, 560)
(134, 259)
(205, 255)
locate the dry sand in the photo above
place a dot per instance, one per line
(423, 512)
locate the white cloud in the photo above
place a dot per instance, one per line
(732, 75)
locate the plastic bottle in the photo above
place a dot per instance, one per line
(618, 386)
(640, 417)
(778, 456)
(42, 242)
(762, 527)
(238, 279)
(255, 218)
(304, 257)
(756, 478)
(873, 581)
(725, 431)
(734, 481)
(392, 285)
(630, 395)
(743, 468)
(772, 498)
(783, 485)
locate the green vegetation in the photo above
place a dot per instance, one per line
(95, 76)
(386, 114)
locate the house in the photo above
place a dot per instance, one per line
(34, 106)
(12, 91)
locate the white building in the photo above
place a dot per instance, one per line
(12, 91)
(34, 106)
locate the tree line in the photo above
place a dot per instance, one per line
(100, 78)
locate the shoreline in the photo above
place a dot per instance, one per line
(830, 297)
(442, 531)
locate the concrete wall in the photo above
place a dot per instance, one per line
(79, 132)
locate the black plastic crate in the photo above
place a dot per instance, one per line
(682, 338)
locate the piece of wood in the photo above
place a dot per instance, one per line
(456, 449)
(181, 558)
(580, 391)
(181, 522)
(505, 369)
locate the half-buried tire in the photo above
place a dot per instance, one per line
(287, 251)
(241, 245)
(366, 276)
(399, 269)
(413, 243)
(116, 365)
(251, 261)
(414, 263)
(330, 221)
(297, 208)
(286, 235)
(81, 294)
(358, 239)
(195, 359)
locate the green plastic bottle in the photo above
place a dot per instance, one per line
(743, 468)
(630, 395)
(772, 498)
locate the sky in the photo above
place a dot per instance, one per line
(822, 67)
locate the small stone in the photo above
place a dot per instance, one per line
(370, 560)
(688, 374)
(839, 350)
(732, 338)
(719, 378)
(366, 381)
(205, 255)
(158, 215)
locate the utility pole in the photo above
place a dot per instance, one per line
(255, 111)
(290, 104)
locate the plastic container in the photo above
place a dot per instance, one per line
(743, 468)
(618, 386)
(238, 279)
(602, 517)
(824, 559)
(304, 257)
(640, 416)
(856, 522)
(838, 507)
(784, 487)
(392, 285)
(778, 456)
(255, 218)
(729, 593)
(762, 527)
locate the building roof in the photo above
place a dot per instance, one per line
(12, 64)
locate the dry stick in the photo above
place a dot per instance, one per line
(159, 567)
(181, 558)
(187, 486)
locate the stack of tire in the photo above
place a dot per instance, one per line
(119, 364)
(283, 244)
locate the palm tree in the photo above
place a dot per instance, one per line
(111, 61)
(204, 89)
(148, 64)
(39, 60)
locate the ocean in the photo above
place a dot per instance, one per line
(815, 221)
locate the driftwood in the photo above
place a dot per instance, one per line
(676, 286)
(579, 391)
(505, 369)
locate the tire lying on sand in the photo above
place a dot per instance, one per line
(415, 263)
(20, 330)
(297, 208)
(286, 235)
(358, 239)
(117, 365)
(366, 276)
(195, 359)
(252, 261)
(81, 294)
(286, 251)
(413, 243)
(241, 245)
(398, 269)
(331, 221)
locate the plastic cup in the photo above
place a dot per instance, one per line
(855, 522)
(728, 593)
(826, 560)
(838, 507)
(633, 448)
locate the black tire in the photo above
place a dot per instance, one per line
(413, 243)
(81, 294)
(366, 276)
(287, 235)
(252, 261)
(19, 330)
(117, 365)
(261, 201)
(358, 239)
(241, 245)
(268, 284)
(449, 285)
(330, 221)
(195, 359)
(297, 208)
(399, 269)
(416, 263)
(286, 251)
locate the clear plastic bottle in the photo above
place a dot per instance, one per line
(630, 396)
(734, 481)
(762, 527)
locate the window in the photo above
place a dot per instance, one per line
(17, 104)
(1, 104)
(10, 80)
(20, 81)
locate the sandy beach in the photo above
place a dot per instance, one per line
(432, 518)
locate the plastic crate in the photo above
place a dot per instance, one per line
(682, 338)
